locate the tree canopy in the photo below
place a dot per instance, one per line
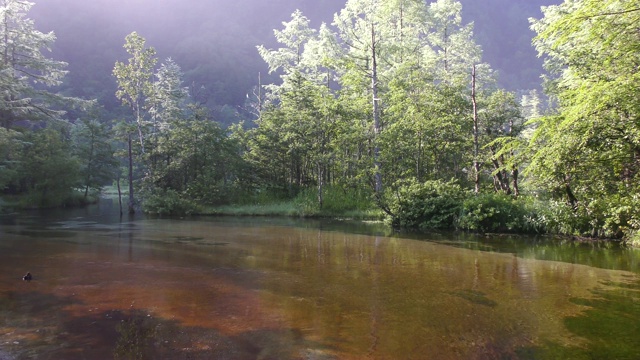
(589, 150)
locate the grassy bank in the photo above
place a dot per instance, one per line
(337, 203)
(291, 209)
(37, 201)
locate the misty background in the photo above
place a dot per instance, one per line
(214, 41)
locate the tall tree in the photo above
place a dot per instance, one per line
(134, 86)
(590, 150)
(305, 100)
(94, 151)
(367, 34)
(501, 125)
(358, 25)
(47, 174)
(25, 71)
(168, 96)
(453, 51)
(135, 79)
(288, 58)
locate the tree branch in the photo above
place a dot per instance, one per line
(609, 13)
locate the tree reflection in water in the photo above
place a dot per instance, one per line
(240, 289)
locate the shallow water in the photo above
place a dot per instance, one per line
(227, 288)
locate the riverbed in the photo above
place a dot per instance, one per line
(108, 287)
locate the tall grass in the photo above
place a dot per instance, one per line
(337, 203)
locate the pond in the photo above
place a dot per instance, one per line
(261, 288)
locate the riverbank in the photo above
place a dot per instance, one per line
(484, 214)
(289, 209)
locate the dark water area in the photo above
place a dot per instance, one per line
(262, 288)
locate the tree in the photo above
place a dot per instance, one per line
(589, 151)
(501, 124)
(47, 174)
(134, 86)
(10, 146)
(427, 137)
(168, 96)
(380, 94)
(303, 105)
(359, 26)
(453, 52)
(134, 79)
(25, 71)
(95, 153)
(288, 59)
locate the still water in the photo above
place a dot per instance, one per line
(228, 288)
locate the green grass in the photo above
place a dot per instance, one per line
(275, 209)
(290, 209)
(338, 203)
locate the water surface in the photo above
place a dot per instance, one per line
(227, 288)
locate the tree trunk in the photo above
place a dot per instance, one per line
(119, 194)
(376, 114)
(476, 151)
(501, 178)
(514, 176)
(320, 184)
(570, 195)
(514, 166)
(132, 209)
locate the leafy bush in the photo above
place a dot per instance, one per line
(497, 213)
(428, 205)
(168, 202)
(606, 217)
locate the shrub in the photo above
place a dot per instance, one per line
(425, 206)
(168, 202)
(496, 213)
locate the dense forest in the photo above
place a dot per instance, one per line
(388, 108)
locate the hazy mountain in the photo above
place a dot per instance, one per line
(214, 40)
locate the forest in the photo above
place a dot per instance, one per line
(387, 110)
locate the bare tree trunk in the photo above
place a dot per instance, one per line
(132, 209)
(514, 167)
(501, 178)
(476, 151)
(139, 123)
(119, 193)
(320, 184)
(570, 195)
(514, 177)
(376, 114)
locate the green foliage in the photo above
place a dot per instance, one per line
(607, 217)
(10, 145)
(25, 72)
(429, 205)
(587, 153)
(95, 154)
(168, 202)
(337, 201)
(497, 212)
(47, 173)
(134, 77)
(380, 97)
(196, 158)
